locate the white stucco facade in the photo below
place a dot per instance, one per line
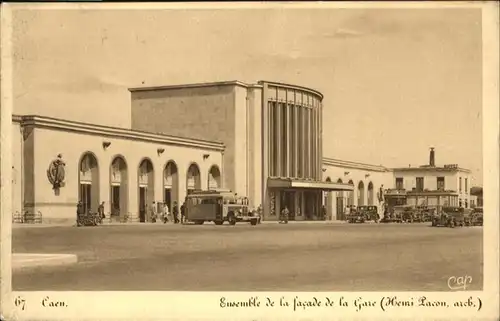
(263, 141)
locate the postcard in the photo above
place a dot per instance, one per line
(250, 161)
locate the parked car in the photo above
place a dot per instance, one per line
(354, 215)
(451, 216)
(477, 217)
(404, 213)
(393, 215)
(369, 212)
(424, 213)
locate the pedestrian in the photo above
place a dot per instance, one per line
(166, 213)
(100, 211)
(259, 212)
(284, 215)
(323, 212)
(175, 213)
(183, 212)
(79, 212)
(154, 212)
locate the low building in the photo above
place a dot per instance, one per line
(57, 163)
(430, 185)
(368, 182)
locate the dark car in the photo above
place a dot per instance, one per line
(450, 216)
(369, 212)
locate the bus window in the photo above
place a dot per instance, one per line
(194, 201)
(208, 201)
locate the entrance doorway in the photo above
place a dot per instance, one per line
(89, 182)
(308, 206)
(115, 201)
(312, 205)
(167, 197)
(86, 196)
(288, 200)
(170, 185)
(143, 201)
(118, 199)
(146, 184)
(340, 208)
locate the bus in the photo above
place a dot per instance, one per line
(219, 206)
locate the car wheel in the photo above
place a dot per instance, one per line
(219, 222)
(199, 222)
(253, 222)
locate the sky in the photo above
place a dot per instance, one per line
(395, 81)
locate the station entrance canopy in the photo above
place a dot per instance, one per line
(288, 183)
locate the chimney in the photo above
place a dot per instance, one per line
(432, 162)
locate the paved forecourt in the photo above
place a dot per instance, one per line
(266, 257)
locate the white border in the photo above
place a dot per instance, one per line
(5, 158)
(143, 305)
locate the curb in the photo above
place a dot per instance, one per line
(31, 260)
(21, 226)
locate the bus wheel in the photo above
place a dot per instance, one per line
(253, 222)
(231, 219)
(219, 222)
(199, 222)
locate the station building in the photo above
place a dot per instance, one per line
(124, 168)
(272, 134)
(263, 141)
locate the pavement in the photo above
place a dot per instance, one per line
(265, 257)
(33, 260)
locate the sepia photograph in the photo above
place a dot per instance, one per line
(149, 154)
(244, 149)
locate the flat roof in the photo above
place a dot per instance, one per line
(430, 169)
(195, 85)
(355, 165)
(282, 182)
(290, 86)
(259, 84)
(114, 132)
(431, 193)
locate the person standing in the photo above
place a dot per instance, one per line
(79, 212)
(166, 213)
(183, 212)
(284, 215)
(323, 213)
(348, 210)
(100, 211)
(175, 213)
(154, 212)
